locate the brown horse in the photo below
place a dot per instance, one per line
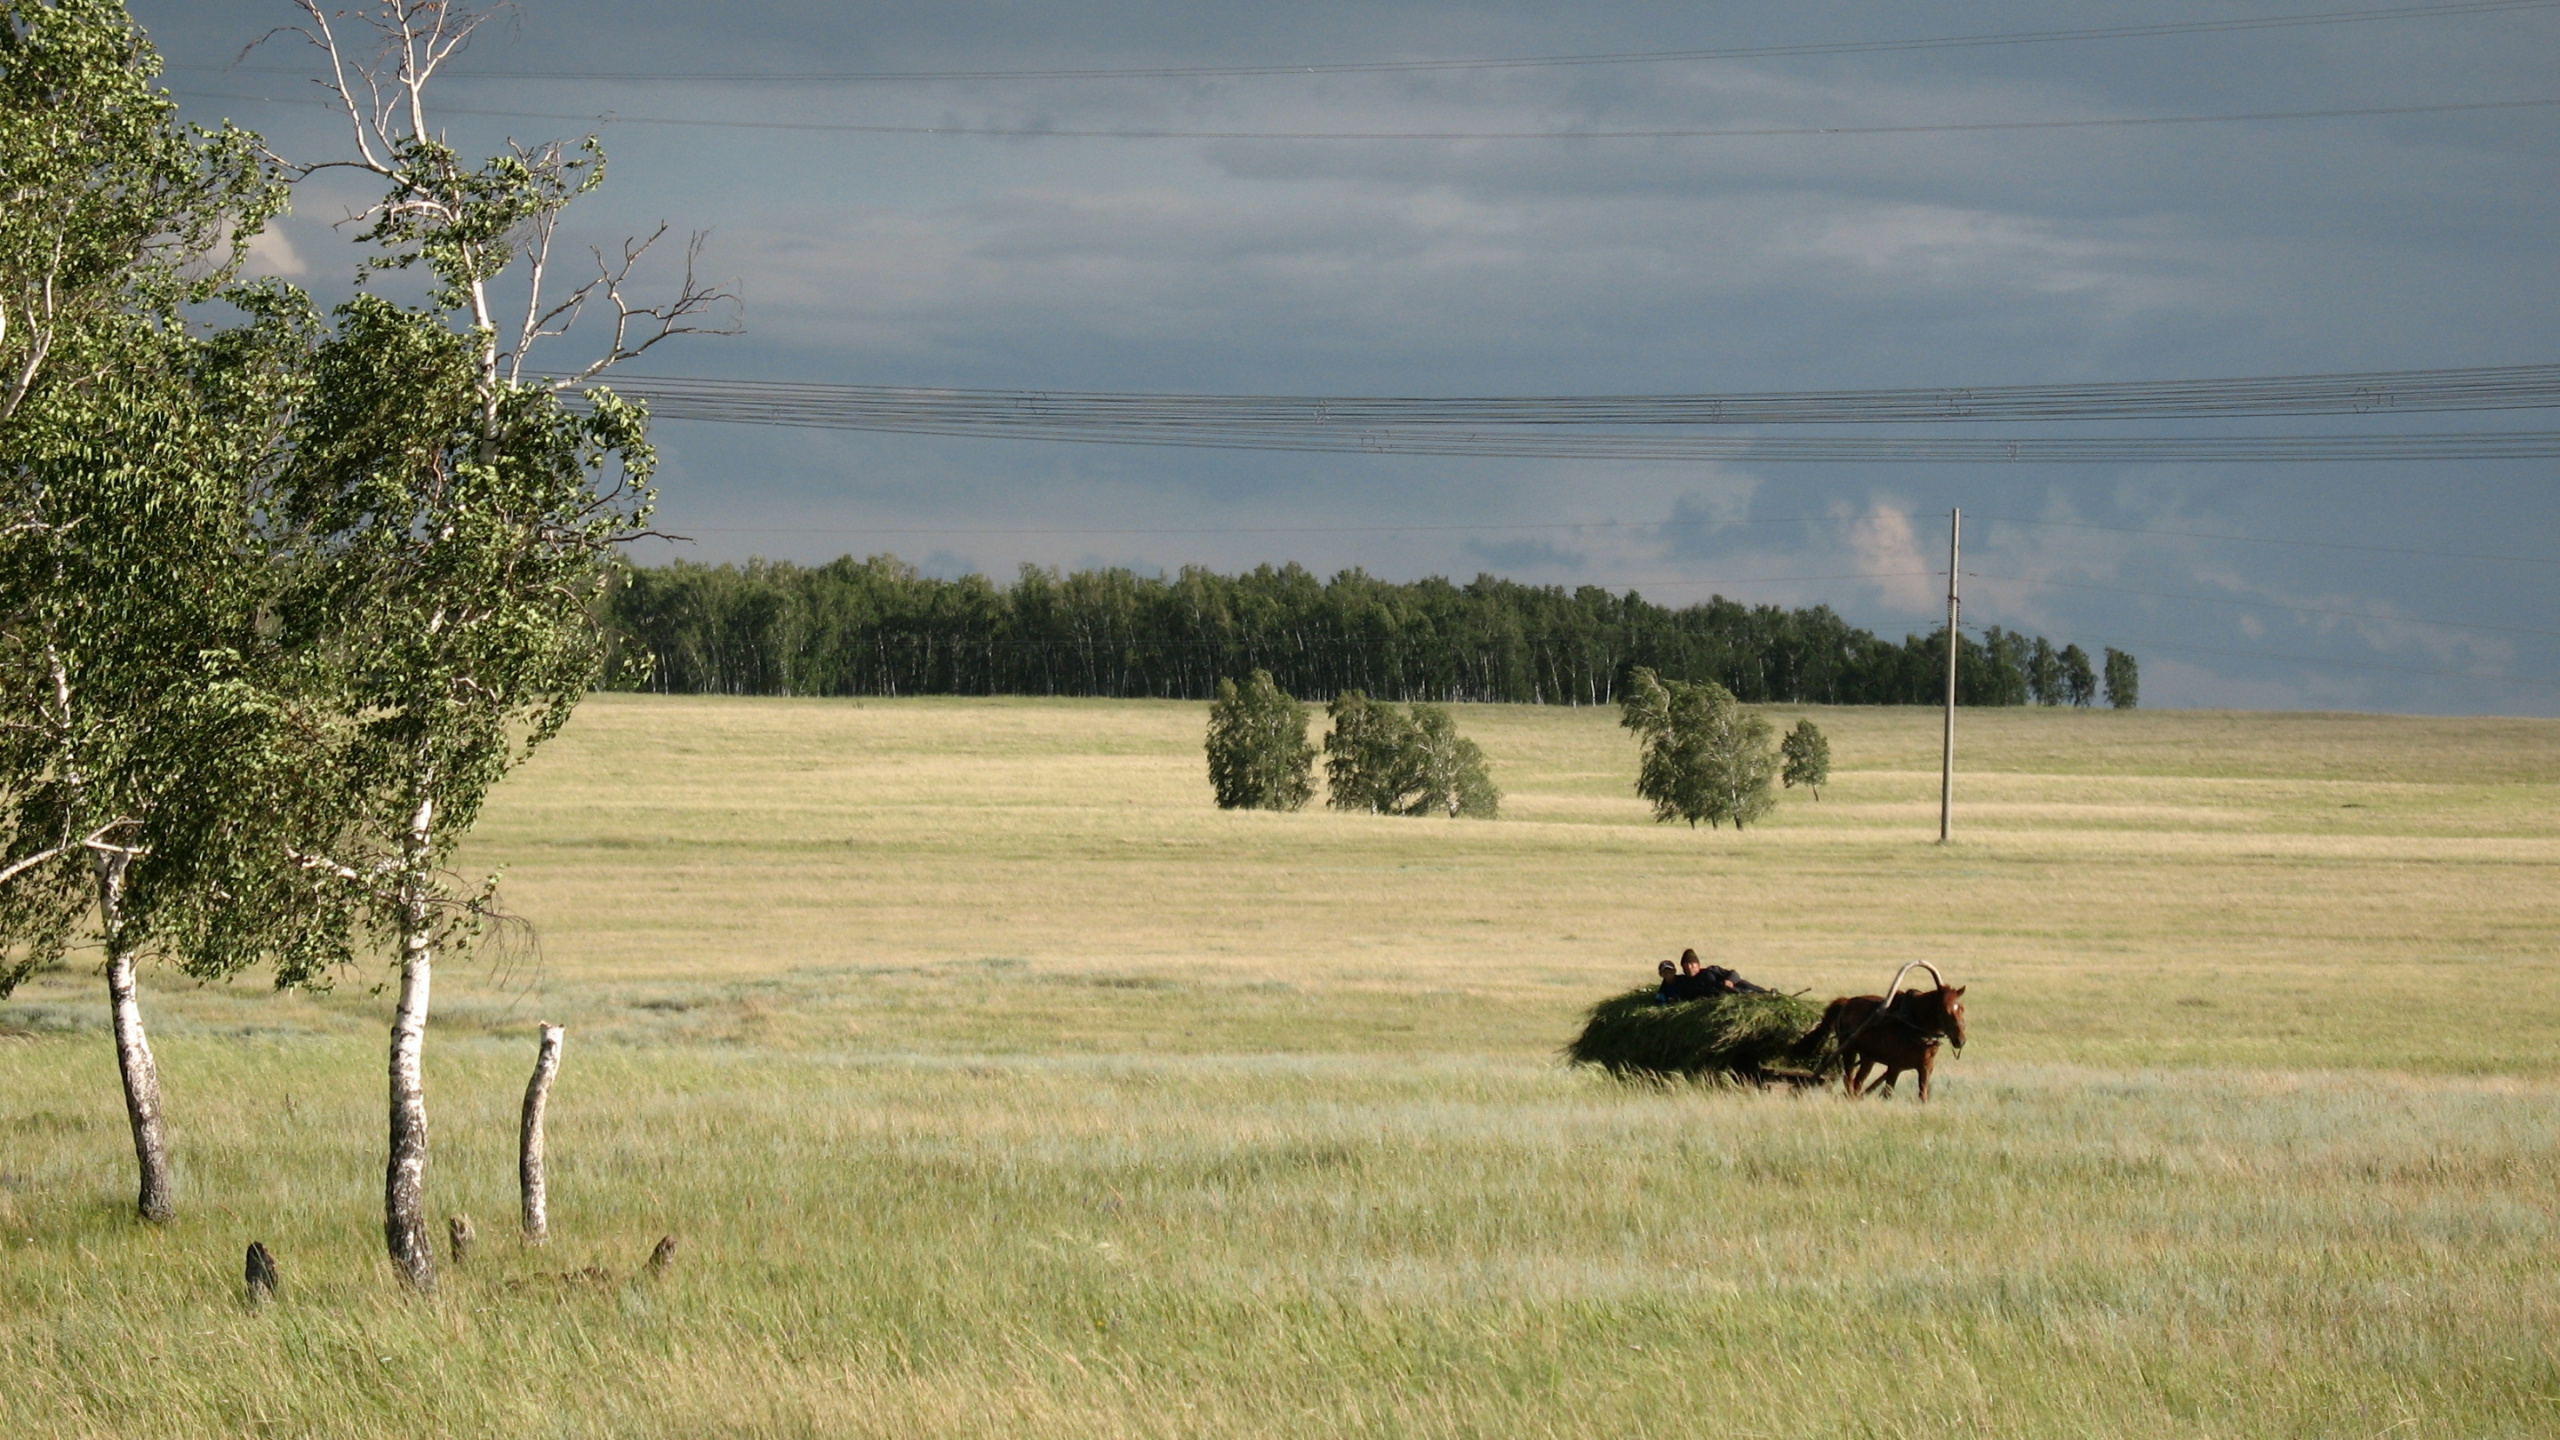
(1901, 1036)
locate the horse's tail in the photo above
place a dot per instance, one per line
(1811, 1044)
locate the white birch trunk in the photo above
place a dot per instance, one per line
(140, 1072)
(404, 1187)
(529, 1171)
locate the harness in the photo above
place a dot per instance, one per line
(1893, 992)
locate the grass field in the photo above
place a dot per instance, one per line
(998, 1084)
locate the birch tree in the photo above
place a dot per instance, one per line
(1807, 755)
(131, 447)
(1704, 757)
(460, 517)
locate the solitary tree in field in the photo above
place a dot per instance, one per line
(2124, 680)
(1703, 758)
(132, 450)
(1259, 758)
(2079, 679)
(1807, 752)
(457, 521)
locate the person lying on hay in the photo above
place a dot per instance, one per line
(1697, 981)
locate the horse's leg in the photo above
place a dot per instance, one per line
(1892, 1072)
(1853, 1072)
(1928, 1062)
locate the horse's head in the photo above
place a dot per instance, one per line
(1951, 1007)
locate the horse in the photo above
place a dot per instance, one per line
(1899, 1036)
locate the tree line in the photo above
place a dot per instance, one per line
(877, 626)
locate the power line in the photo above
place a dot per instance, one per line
(930, 413)
(2263, 605)
(1239, 529)
(1523, 426)
(2361, 392)
(2241, 449)
(1646, 57)
(2265, 540)
(2319, 662)
(1552, 526)
(1730, 133)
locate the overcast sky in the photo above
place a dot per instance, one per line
(1547, 267)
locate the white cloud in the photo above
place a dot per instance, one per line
(271, 252)
(1888, 552)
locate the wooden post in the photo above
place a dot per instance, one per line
(261, 1275)
(1947, 754)
(537, 1093)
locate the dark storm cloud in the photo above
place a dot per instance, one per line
(1528, 266)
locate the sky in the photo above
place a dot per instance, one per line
(1580, 266)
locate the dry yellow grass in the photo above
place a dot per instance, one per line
(999, 1084)
(2125, 888)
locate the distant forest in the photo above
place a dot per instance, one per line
(877, 627)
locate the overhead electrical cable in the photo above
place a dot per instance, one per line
(2037, 584)
(1552, 426)
(1134, 133)
(2269, 540)
(2360, 392)
(2120, 450)
(2315, 661)
(1529, 62)
(1557, 526)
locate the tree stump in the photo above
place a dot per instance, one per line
(261, 1274)
(537, 1095)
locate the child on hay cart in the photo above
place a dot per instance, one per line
(1697, 981)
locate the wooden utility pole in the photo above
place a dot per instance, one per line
(1947, 754)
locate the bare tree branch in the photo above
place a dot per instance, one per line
(689, 313)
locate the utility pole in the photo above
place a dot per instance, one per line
(1947, 755)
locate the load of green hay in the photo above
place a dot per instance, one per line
(1741, 1037)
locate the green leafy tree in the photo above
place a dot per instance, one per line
(458, 522)
(2079, 678)
(1414, 763)
(2002, 677)
(109, 208)
(1451, 774)
(1703, 757)
(1259, 758)
(2124, 680)
(131, 451)
(1807, 753)
(1368, 764)
(2044, 673)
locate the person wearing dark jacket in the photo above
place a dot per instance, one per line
(1698, 981)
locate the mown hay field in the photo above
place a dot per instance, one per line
(997, 1083)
